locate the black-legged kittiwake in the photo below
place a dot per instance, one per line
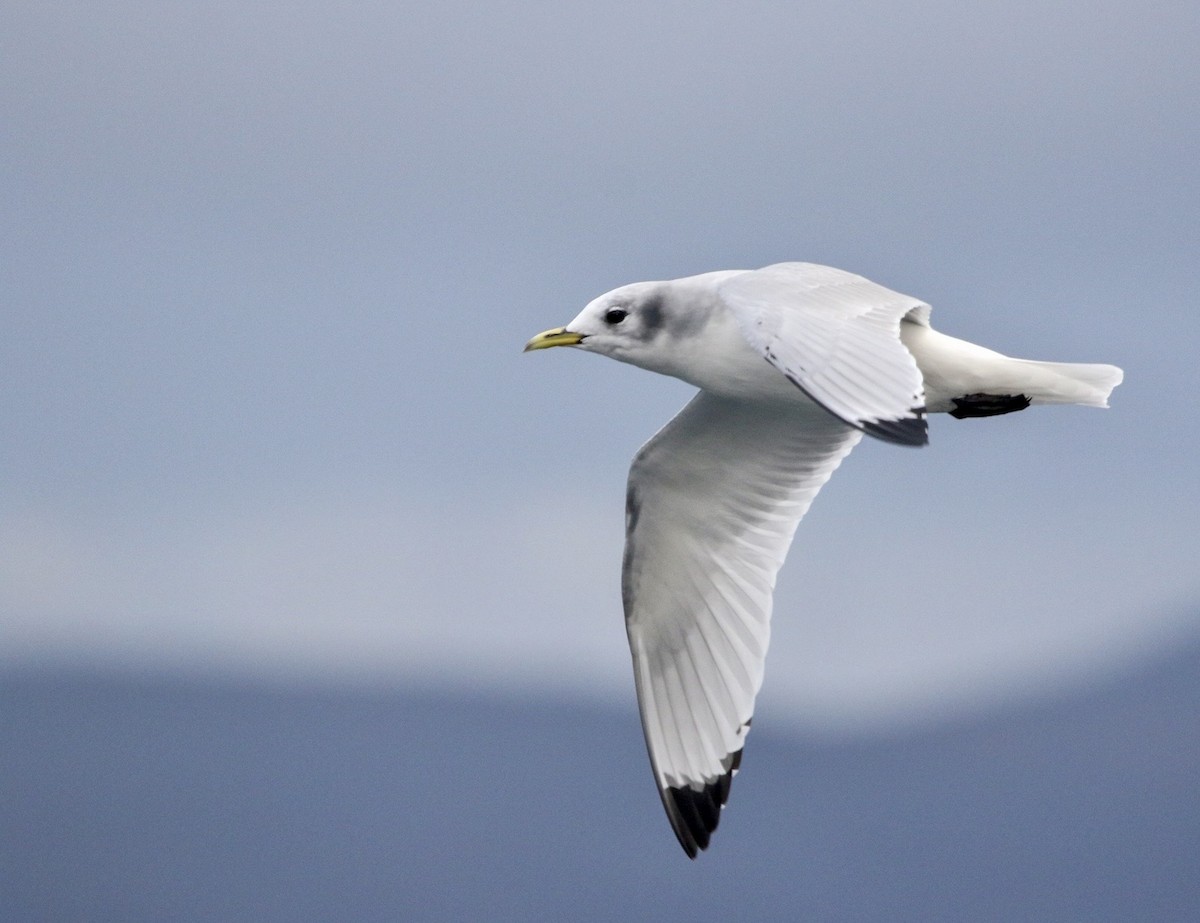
(794, 363)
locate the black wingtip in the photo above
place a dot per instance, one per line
(695, 812)
(988, 405)
(908, 431)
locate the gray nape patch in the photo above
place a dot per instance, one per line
(651, 317)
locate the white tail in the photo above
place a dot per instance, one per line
(1070, 382)
(955, 370)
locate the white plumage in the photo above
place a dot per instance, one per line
(795, 362)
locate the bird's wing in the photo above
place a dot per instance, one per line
(712, 504)
(836, 336)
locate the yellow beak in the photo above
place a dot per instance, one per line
(559, 336)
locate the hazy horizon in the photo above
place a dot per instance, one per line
(270, 268)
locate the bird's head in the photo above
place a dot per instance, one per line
(627, 323)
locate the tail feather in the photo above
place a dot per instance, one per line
(969, 380)
(1089, 384)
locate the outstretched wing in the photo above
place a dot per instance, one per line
(836, 336)
(712, 504)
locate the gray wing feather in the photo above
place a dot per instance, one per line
(712, 504)
(836, 336)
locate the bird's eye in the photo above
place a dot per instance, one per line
(614, 316)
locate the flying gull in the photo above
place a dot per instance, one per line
(794, 362)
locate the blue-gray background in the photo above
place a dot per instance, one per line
(265, 420)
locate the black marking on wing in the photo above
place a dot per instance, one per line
(695, 812)
(909, 431)
(633, 511)
(633, 508)
(987, 405)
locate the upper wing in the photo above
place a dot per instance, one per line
(712, 504)
(836, 336)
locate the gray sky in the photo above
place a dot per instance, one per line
(269, 268)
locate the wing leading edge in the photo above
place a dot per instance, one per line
(712, 504)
